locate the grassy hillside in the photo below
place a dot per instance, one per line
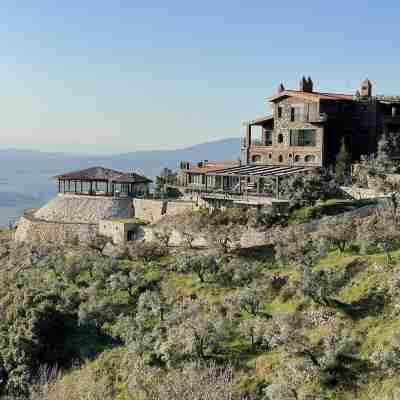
(163, 324)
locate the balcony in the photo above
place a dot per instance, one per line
(265, 141)
(316, 118)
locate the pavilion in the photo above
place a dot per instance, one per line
(99, 181)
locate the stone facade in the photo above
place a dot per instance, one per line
(358, 119)
(281, 151)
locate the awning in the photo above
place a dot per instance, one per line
(260, 170)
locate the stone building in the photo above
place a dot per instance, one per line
(306, 126)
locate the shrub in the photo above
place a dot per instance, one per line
(146, 251)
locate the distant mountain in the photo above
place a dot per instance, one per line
(26, 175)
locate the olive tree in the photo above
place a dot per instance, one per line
(201, 265)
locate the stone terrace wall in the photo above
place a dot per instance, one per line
(153, 210)
(88, 209)
(33, 229)
(250, 237)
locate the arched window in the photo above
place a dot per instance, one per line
(280, 138)
(269, 155)
(310, 158)
(256, 158)
(290, 155)
(280, 158)
(297, 158)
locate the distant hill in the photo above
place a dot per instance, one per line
(25, 175)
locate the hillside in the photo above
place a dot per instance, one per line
(25, 176)
(309, 317)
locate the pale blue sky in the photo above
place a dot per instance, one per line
(135, 75)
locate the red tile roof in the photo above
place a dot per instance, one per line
(313, 95)
(213, 166)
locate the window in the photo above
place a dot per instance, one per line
(256, 158)
(310, 158)
(303, 137)
(268, 138)
(297, 158)
(269, 155)
(279, 112)
(280, 138)
(280, 158)
(297, 113)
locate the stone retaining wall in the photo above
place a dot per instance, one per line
(31, 229)
(250, 237)
(362, 193)
(88, 209)
(153, 210)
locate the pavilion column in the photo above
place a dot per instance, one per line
(75, 186)
(248, 135)
(277, 187)
(59, 186)
(91, 188)
(69, 186)
(81, 186)
(107, 188)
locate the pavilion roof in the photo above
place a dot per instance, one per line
(105, 175)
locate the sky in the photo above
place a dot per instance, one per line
(116, 76)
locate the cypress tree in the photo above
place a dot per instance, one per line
(383, 161)
(342, 167)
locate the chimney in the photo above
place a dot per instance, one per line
(310, 84)
(303, 84)
(281, 88)
(366, 88)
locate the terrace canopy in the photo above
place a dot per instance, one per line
(101, 181)
(252, 176)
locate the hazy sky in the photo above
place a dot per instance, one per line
(98, 75)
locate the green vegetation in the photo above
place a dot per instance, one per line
(318, 320)
(343, 165)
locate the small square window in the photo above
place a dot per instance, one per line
(279, 112)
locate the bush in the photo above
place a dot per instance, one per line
(145, 251)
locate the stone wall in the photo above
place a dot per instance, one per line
(361, 193)
(153, 210)
(87, 209)
(32, 229)
(250, 237)
(117, 230)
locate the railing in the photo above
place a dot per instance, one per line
(316, 118)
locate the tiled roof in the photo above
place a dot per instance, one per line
(215, 166)
(313, 95)
(103, 174)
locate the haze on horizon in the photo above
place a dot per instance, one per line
(127, 76)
